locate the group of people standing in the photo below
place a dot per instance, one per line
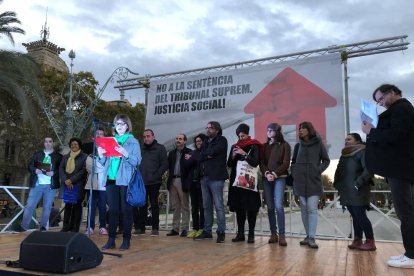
(198, 176)
(73, 174)
(49, 171)
(209, 163)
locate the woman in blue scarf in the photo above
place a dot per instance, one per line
(119, 171)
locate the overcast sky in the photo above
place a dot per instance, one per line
(160, 36)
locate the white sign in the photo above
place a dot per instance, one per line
(287, 93)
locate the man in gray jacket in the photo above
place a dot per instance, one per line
(153, 165)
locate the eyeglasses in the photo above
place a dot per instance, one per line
(270, 130)
(120, 123)
(380, 99)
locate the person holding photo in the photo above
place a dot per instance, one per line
(244, 202)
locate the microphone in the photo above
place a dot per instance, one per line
(96, 121)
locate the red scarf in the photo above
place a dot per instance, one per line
(247, 142)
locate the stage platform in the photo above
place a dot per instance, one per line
(182, 256)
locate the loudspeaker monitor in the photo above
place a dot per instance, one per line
(61, 252)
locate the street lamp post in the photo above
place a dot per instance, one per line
(69, 116)
(73, 124)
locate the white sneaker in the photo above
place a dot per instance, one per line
(394, 258)
(103, 231)
(403, 262)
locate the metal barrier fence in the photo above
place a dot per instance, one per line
(334, 222)
(8, 190)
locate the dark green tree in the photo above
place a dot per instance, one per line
(106, 112)
(18, 74)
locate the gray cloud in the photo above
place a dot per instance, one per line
(128, 33)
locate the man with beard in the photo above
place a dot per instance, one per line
(213, 164)
(178, 186)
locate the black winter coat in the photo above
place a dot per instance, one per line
(352, 179)
(185, 165)
(240, 198)
(78, 176)
(213, 158)
(311, 161)
(36, 159)
(390, 146)
(154, 163)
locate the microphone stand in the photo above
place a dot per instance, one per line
(92, 178)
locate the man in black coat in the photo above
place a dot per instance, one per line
(213, 164)
(153, 165)
(390, 153)
(178, 185)
(44, 181)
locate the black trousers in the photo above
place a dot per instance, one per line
(197, 210)
(361, 222)
(402, 191)
(140, 214)
(73, 216)
(116, 199)
(241, 220)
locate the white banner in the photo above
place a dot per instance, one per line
(286, 93)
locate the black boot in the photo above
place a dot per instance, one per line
(251, 217)
(126, 243)
(110, 244)
(221, 237)
(240, 237)
(250, 238)
(241, 219)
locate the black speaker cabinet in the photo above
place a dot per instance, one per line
(61, 252)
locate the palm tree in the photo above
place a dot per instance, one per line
(6, 19)
(18, 73)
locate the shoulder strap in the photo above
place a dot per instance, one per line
(295, 153)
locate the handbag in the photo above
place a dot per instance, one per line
(136, 194)
(246, 176)
(289, 180)
(70, 196)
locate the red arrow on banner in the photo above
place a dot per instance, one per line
(289, 99)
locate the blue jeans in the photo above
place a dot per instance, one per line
(274, 196)
(35, 195)
(212, 191)
(98, 198)
(309, 212)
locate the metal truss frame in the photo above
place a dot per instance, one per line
(371, 47)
